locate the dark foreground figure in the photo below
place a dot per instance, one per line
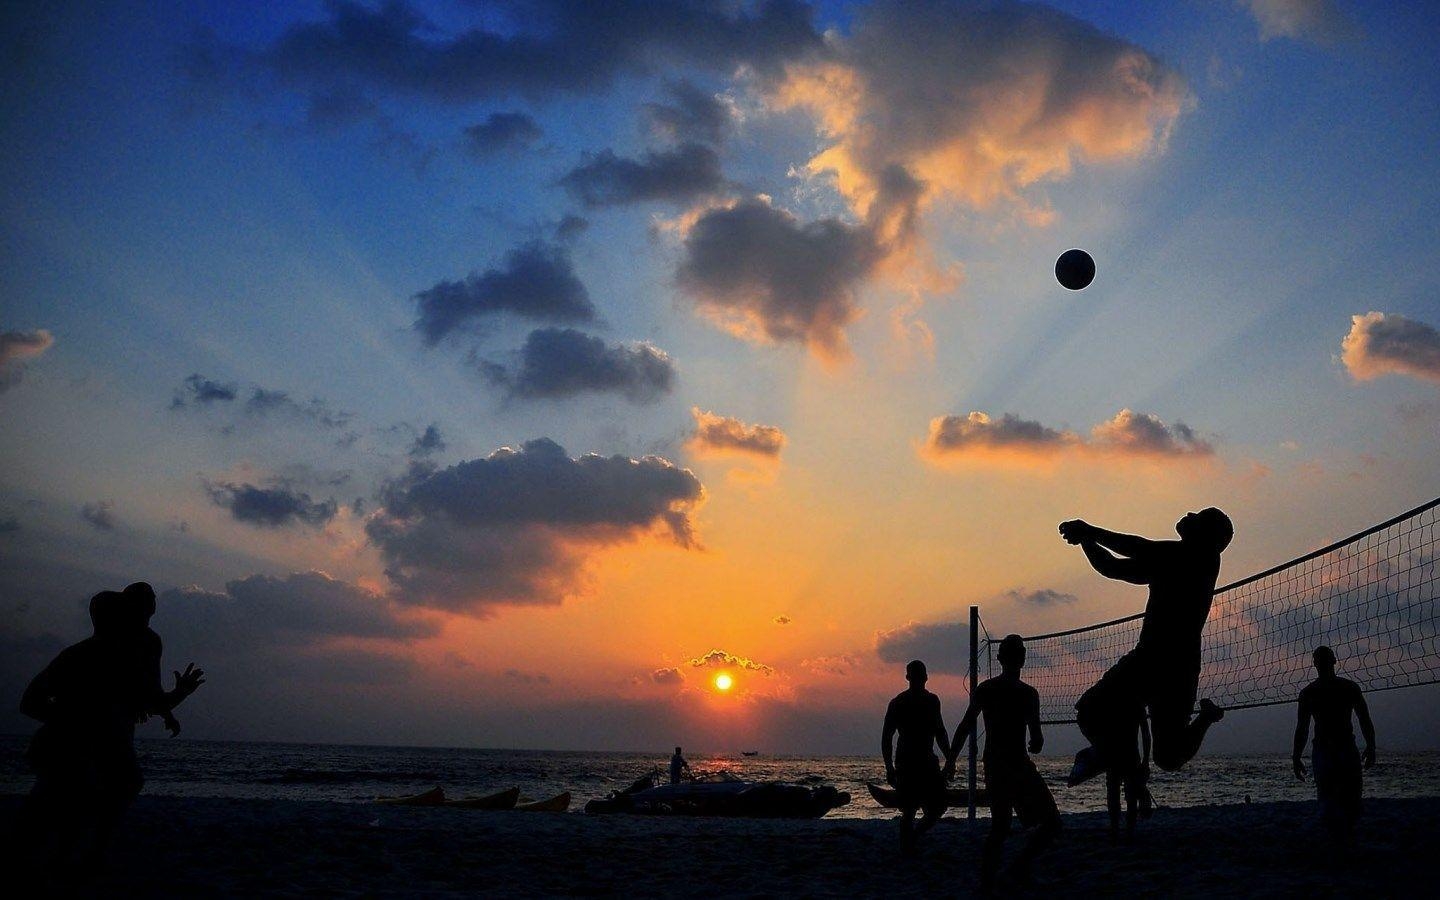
(1331, 700)
(1010, 708)
(911, 766)
(1163, 671)
(88, 701)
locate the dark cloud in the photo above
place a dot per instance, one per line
(944, 647)
(719, 659)
(723, 435)
(764, 275)
(501, 132)
(1316, 21)
(427, 443)
(681, 175)
(842, 664)
(570, 47)
(299, 608)
(536, 282)
(781, 620)
(339, 107)
(668, 675)
(264, 402)
(570, 227)
(197, 390)
(272, 507)
(1011, 439)
(100, 514)
(1041, 597)
(691, 116)
(16, 349)
(518, 525)
(1389, 344)
(561, 362)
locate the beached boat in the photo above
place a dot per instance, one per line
(887, 796)
(722, 794)
(749, 752)
(558, 803)
(502, 800)
(433, 797)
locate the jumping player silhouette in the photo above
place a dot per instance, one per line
(1162, 672)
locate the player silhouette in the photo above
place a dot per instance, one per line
(1330, 700)
(1163, 670)
(1010, 708)
(912, 767)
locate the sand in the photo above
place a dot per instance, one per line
(246, 848)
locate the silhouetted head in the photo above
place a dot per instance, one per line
(142, 599)
(1324, 660)
(1012, 652)
(1209, 526)
(107, 613)
(677, 751)
(915, 673)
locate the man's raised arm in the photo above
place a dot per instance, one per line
(1132, 570)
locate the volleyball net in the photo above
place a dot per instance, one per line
(1371, 597)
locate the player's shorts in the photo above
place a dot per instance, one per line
(919, 783)
(1168, 689)
(1018, 786)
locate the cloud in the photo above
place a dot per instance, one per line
(197, 390)
(501, 132)
(719, 659)
(570, 227)
(16, 349)
(299, 608)
(1389, 344)
(1317, 21)
(427, 443)
(668, 675)
(691, 116)
(944, 647)
(273, 507)
(100, 514)
(560, 362)
(520, 677)
(1041, 597)
(978, 102)
(536, 282)
(680, 175)
(1011, 439)
(541, 50)
(719, 435)
(765, 276)
(517, 526)
(337, 108)
(781, 620)
(842, 664)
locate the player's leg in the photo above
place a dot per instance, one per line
(1176, 737)
(1000, 814)
(1039, 807)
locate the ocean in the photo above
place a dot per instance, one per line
(356, 774)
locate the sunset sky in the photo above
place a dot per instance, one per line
(497, 374)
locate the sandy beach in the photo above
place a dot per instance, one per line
(245, 848)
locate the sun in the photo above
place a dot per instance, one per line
(723, 682)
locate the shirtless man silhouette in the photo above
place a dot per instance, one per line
(911, 766)
(1010, 708)
(1331, 700)
(1163, 671)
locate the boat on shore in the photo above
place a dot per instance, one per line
(502, 800)
(722, 794)
(889, 798)
(558, 803)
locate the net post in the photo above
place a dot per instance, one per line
(974, 674)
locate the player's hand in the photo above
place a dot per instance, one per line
(172, 725)
(1369, 757)
(1075, 530)
(185, 684)
(890, 777)
(1299, 768)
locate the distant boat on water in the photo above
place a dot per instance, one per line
(749, 752)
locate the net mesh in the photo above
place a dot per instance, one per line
(1371, 597)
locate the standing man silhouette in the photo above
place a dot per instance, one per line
(1330, 700)
(679, 768)
(1010, 707)
(911, 766)
(1163, 671)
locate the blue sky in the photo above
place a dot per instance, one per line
(183, 198)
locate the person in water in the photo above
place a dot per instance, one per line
(679, 768)
(1331, 700)
(1162, 672)
(1010, 708)
(913, 726)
